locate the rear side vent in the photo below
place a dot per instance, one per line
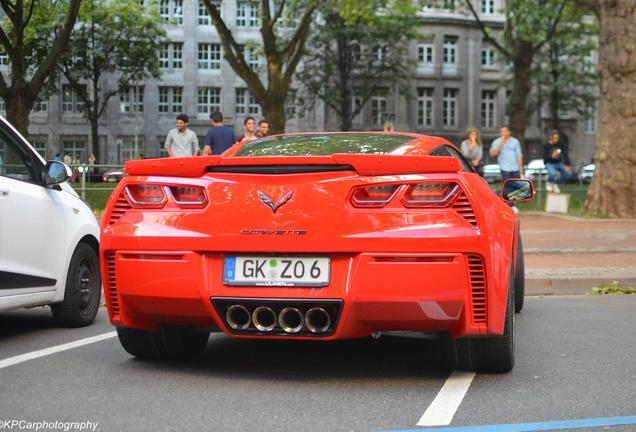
(477, 273)
(111, 289)
(465, 210)
(119, 209)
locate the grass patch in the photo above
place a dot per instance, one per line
(577, 193)
(96, 194)
(614, 288)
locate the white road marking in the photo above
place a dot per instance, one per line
(55, 349)
(441, 411)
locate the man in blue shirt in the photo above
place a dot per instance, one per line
(219, 138)
(508, 152)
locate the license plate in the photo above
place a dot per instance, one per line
(276, 271)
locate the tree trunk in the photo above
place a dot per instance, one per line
(274, 113)
(613, 188)
(19, 105)
(521, 86)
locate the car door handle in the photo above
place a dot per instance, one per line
(4, 192)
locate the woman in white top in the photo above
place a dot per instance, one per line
(473, 150)
(250, 130)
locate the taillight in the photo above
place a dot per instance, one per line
(430, 194)
(146, 196)
(189, 196)
(373, 196)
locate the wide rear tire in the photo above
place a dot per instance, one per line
(486, 354)
(169, 343)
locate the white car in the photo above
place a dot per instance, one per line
(49, 244)
(534, 168)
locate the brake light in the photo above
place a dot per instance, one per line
(189, 196)
(430, 194)
(146, 196)
(373, 196)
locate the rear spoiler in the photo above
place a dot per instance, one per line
(363, 164)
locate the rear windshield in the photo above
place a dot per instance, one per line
(323, 145)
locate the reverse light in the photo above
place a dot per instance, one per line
(373, 196)
(146, 196)
(430, 194)
(189, 196)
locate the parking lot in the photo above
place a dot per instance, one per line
(574, 363)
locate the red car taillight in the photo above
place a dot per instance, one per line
(189, 196)
(146, 196)
(430, 194)
(373, 196)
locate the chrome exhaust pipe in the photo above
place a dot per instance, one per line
(291, 320)
(238, 317)
(317, 320)
(264, 318)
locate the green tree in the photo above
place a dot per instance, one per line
(567, 77)
(529, 25)
(34, 35)
(284, 28)
(613, 188)
(359, 48)
(116, 37)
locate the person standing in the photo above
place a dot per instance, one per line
(508, 152)
(263, 128)
(219, 137)
(181, 141)
(250, 130)
(473, 150)
(557, 161)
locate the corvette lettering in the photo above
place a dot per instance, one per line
(273, 232)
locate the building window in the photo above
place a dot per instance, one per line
(170, 99)
(449, 5)
(251, 56)
(425, 54)
(171, 55)
(39, 144)
(209, 56)
(378, 110)
(246, 14)
(41, 104)
(487, 7)
(450, 50)
(488, 58)
(204, 17)
(380, 53)
(449, 108)
(246, 103)
(488, 108)
(424, 107)
(132, 100)
(4, 59)
(171, 11)
(592, 119)
(208, 100)
(290, 104)
(130, 147)
(71, 103)
(76, 148)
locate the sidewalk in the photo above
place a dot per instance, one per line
(568, 255)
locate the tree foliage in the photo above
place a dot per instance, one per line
(284, 28)
(116, 37)
(359, 48)
(34, 35)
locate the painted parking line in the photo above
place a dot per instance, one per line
(441, 411)
(534, 427)
(55, 349)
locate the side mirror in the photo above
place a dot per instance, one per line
(56, 172)
(517, 190)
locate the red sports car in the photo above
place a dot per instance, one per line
(317, 236)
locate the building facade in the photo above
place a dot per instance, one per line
(458, 84)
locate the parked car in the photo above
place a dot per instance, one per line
(319, 236)
(492, 173)
(586, 173)
(113, 175)
(535, 168)
(48, 236)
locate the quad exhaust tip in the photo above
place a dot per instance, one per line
(238, 317)
(317, 320)
(264, 318)
(291, 320)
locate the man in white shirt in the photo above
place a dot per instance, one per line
(181, 141)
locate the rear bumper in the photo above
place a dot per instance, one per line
(422, 292)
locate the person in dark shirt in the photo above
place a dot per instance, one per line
(219, 138)
(263, 129)
(557, 161)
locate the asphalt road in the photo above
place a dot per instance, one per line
(575, 360)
